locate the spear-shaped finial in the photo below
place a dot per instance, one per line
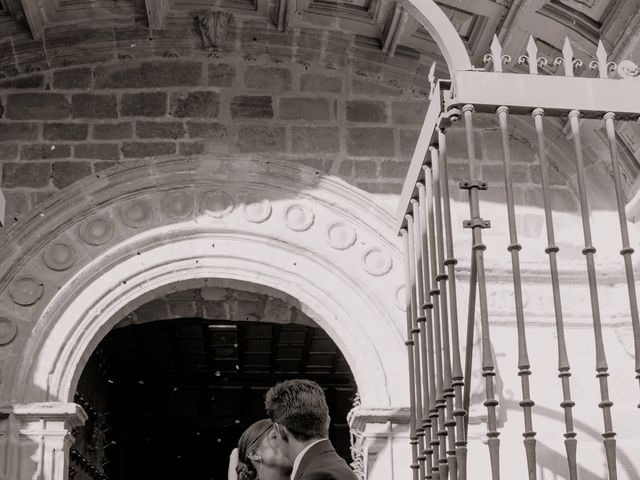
(567, 56)
(496, 54)
(601, 62)
(432, 78)
(532, 52)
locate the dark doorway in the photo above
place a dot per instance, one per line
(169, 399)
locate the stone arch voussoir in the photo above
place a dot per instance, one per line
(93, 253)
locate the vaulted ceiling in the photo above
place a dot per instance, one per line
(381, 25)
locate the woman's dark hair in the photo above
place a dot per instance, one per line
(249, 441)
(299, 405)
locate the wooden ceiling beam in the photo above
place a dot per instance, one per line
(33, 11)
(156, 13)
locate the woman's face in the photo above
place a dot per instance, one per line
(271, 455)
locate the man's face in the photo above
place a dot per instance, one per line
(279, 438)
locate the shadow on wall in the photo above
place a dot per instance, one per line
(555, 461)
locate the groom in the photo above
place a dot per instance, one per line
(298, 409)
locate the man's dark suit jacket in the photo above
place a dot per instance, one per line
(321, 462)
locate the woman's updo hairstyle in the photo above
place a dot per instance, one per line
(247, 444)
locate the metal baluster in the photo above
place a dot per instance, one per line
(476, 223)
(626, 251)
(588, 251)
(440, 403)
(514, 248)
(471, 320)
(420, 225)
(409, 343)
(457, 378)
(444, 317)
(416, 260)
(564, 368)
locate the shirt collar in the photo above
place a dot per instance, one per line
(298, 459)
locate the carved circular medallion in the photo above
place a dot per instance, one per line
(217, 203)
(178, 205)
(253, 209)
(97, 230)
(136, 213)
(8, 331)
(58, 256)
(341, 236)
(26, 290)
(298, 218)
(376, 262)
(627, 69)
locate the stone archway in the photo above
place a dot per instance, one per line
(75, 269)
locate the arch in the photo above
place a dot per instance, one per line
(434, 20)
(81, 266)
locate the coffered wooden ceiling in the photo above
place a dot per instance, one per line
(379, 24)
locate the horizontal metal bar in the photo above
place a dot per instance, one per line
(557, 95)
(428, 136)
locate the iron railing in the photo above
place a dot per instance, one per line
(440, 393)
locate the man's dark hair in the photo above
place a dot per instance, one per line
(299, 405)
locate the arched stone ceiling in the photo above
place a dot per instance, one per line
(378, 25)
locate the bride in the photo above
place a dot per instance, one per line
(256, 457)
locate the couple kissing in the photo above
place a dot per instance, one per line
(292, 444)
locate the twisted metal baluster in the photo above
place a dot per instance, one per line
(626, 251)
(602, 369)
(427, 376)
(444, 317)
(440, 403)
(409, 343)
(457, 378)
(476, 223)
(514, 248)
(564, 368)
(418, 318)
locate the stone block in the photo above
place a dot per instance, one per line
(251, 106)
(365, 86)
(29, 174)
(267, 78)
(200, 104)
(304, 108)
(18, 131)
(147, 149)
(100, 166)
(18, 204)
(261, 138)
(30, 81)
(315, 139)
(394, 169)
(41, 151)
(146, 104)
(221, 75)
(345, 168)
(87, 105)
(159, 130)
(208, 130)
(112, 131)
(388, 188)
(72, 79)
(66, 173)
(37, 106)
(65, 131)
(408, 140)
(409, 112)
(8, 151)
(97, 151)
(366, 111)
(149, 74)
(370, 141)
(365, 169)
(190, 148)
(310, 82)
